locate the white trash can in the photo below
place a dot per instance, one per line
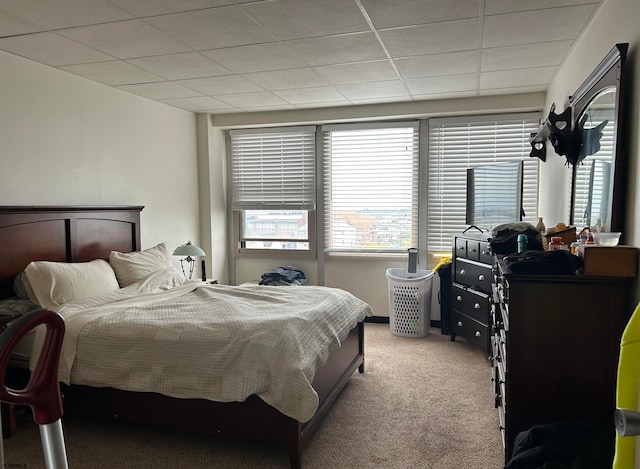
(410, 302)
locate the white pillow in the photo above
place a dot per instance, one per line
(55, 283)
(131, 267)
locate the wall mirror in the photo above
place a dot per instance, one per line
(598, 181)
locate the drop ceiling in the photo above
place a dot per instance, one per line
(230, 56)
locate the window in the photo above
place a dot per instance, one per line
(275, 229)
(456, 144)
(370, 175)
(273, 188)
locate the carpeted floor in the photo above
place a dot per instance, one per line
(422, 402)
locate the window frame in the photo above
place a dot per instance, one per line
(306, 203)
(332, 252)
(242, 252)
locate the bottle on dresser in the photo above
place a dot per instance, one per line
(557, 244)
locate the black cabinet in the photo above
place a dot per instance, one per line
(554, 349)
(471, 276)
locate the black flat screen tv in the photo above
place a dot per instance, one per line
(494, 194)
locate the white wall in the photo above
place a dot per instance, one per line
(615, 22)
(67, 140)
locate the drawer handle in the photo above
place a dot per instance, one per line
(459, 323)
(459, 298)
(478, 334)
(477, 306)
(462, 272)
(485, 253)
(480, 277)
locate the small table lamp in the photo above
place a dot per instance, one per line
(190, 251)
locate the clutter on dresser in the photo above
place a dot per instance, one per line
(552, 262)
(568, 235)
(503, 238)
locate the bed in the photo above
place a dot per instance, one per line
(70, 234)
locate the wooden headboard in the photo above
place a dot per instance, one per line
(63, 234)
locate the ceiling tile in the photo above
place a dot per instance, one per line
(258, 99)
(554, 24)
(515, 78)
(357, 72)
(443, 84)
(11, 25)
(493, 7)
(56, 14)
(163, 90)
(180, 66)
(213, 28)
(229, 84)
(195, 104)
(454, 63)
(311, 95)
(379, 89)
(126, 39)
(296, 19)
(358, 47)
(524, 56)
(51, 49)
(163, 7)
(259, 55)
(112, 73)
(389, 14)
(256, 57)
(287, 79)
(448, 36)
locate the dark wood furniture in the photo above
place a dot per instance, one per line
(554, 349)
(79, 234)
(7, 410)
(471, 287)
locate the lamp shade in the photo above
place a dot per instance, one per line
(188, 249)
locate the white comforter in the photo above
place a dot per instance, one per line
(214, 342)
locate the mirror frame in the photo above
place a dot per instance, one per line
(610, 72)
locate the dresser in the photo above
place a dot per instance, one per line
(472, 277)
(554, 348)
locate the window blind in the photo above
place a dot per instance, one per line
(371, 187)
(456, 144)
(273, 168)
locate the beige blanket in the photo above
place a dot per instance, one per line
(215, 342)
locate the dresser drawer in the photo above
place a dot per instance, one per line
(473, 274)
(461, 248)
(474, 250)
(502, 415)
(471, 302)
(485, 254)
(472, 330)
